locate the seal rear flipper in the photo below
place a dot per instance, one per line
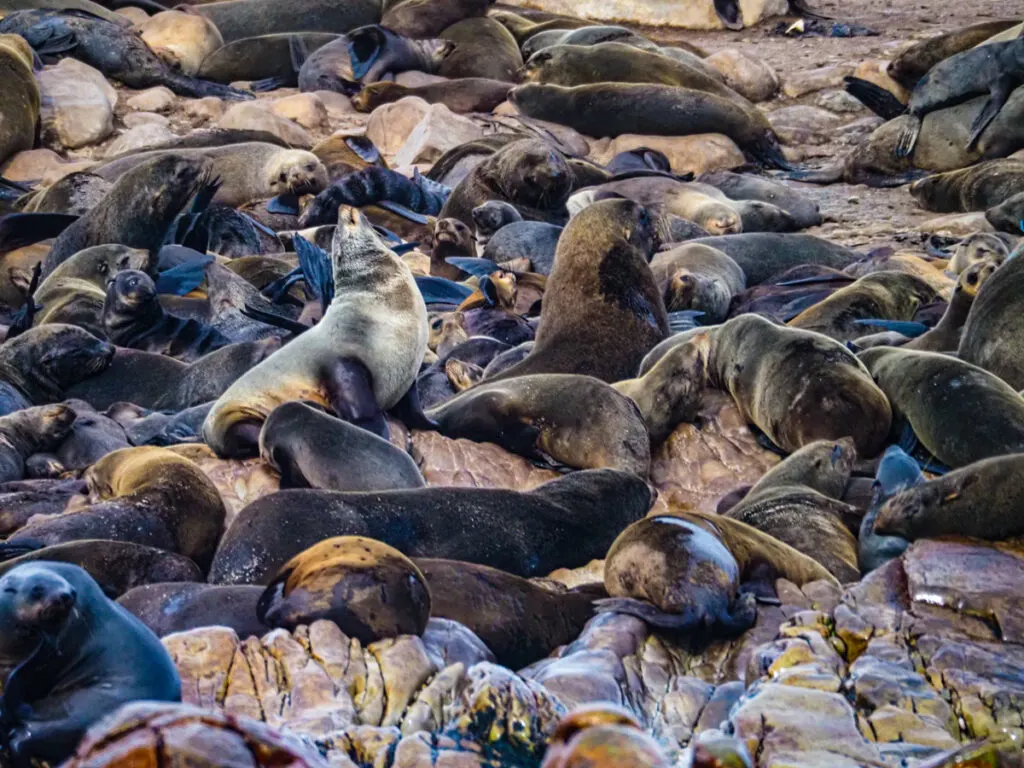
(684, 320)
(287, 204)
(440, 290)
(409, 411)
(193, 87)
(277, 290)
(905, 327)
(874, 97)
(651, 615)
(53, 45)
(9, 550)
(907, 139)
(768, 152)
(364, 148)
(350, 391)
(182, 279)
(401, 210)
(18, 230)
(364, 47)
(474, 266)
(729, 13)
(830, 174)
(999, 93)
(275, 320)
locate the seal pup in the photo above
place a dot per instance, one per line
(675, 575)
(359, 360)
(961, 413)
(566, 522)
(945, 335)
(602, 311)
(980, 246)
(29, 431)
(370, 590)
(92, 656)
(976, 188)
(577, 421)
(896, 472)
(995, 324)
(698, 277)
(312, 449)
(19, 104)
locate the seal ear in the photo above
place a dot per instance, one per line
(959, 487)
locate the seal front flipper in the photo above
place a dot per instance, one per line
(740, 616)
(875, 98)
(18, 230)
(182, 279)
(409, 411)
(999, 93)
(650, 614)
(287, 204)
(316, 269)
(440, 290)
(350, 392)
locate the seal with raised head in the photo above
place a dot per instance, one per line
(980, 246)
(945, 336)
(673, 574)
(19, 104)
(312, 449)
(566, 522)
(697, 277)
(91, 656)
(359, 360)
(994, 329)
(369, 589)
(602, 311)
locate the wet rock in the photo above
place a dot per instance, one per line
(391, 124)
(802, 124)
(444, 461)
(696, 154)
(657, 13)
(748, 76)
(306, 109)
(257, 116)
(839, 101)
(181, 39)
(438, 131)
(159, 99)
(139, 138)
(31, 165)
(77, 105)
(808, 81)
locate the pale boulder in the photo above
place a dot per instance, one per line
(749, 76)
(77, 105)
(257, 116)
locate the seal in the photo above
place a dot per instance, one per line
(428, 18)
(467, 94)
(533, 240)
(483, 48)
(449, 237)
(698, 277)
(887, 295)
(740, 186)
(797, 386)
(909, 67)
(73, 293)
(566, 522)
(945, 336)
(143, 495)
(989, 339)
(763, 255)
(980, 246)
(312, 449)
(1006, 216)
(138, 210)
(118, 52)
(976, 188)
(528, 174)
(896, 472)
(19, 104)
(40, 365)
(577, 421)
(653, 110)
(262, 57)
(342, 155)
(29, 431)
(797, 502)
(92, 656)
(133, 317)
(359, 360)
(93, 435)
(248, 171)
(370, 590)
(179, 606)
(602, 310)
(237, 19)
(982, 500)
(961, 413)
(182, 40)
(675, 575)
(519, 620)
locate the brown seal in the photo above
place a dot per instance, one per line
(995, 325)
(483, 48)
(265, 56)
(179, 606)
(466, 94)
(981, 246)
(913, 64)
(577, 421)
(673, 574)
(369, 589)
(602, 311)
(945, 336)
(961, 413)
(29, 431)
(429, 18)
(976, 188)
(237, 19)
(697, 277)
(19, 104)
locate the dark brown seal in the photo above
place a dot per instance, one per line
(237, 19)
(19, 104)
(181, 605)
(976, 188)
(697, 277)
(995, 325)
(915, 62)
(465, 94)
(29, 431)
(265, 56)
(369, 589)
(483, 48)
(429, 18)
(945, 336)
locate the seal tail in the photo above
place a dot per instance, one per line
(875, 98)
(908, 137)
(648, 613)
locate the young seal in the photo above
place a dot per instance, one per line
(736, 186)
(602, 310)
(41, 364)
(896, 472)
(145, 496)
(564, 523)
(909, 67)
(237, 19)
(675, 575)
(30, 431)
(995, 325)
(429, 18)
(698, 277)
(961, 413)
(981, 246)
(19, 104)
(982, 500)
(762, 255)
(945, 336)
(312, 449)
(92, 656)
(659, 110)
(360, 359)
(262, 57)
(180, 606)
(976, 188)
(483, 48)
(467, 94)
(577, 421)
(370, 590)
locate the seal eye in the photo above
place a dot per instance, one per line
(102, 268)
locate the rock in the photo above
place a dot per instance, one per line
(257, 116)
(802, 124)
(444, 461)
(839, 101)
(698, 14)
(139, 138)
(181, 39)
(338, 105)
(77, 104)
(306, 109)
(746, 75)
(240, 481)
(31, 165)
(58, 172)
(159, 99)
(876, 71)
(203, 110)
(135, 119)
(438, 131)
(696, 154)
(391, 124)
(956, 224)
(808, 81)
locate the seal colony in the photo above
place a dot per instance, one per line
(438, 378)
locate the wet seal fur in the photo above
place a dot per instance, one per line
(992, 335)
(19, 102)
(30, 431)
(180, 606)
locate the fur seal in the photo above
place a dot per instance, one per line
(147, 496)
(911, 65)
(602, 310)
(961, 413)
(658, 110)
(995, 324)
(19, 105)
(698, 277)
(92, 656)
(180, 606)
(369, 589)
(566, 522)
(797, 502)
(429, 18)
(675, 575)
(762, 255)
(1007, 216)
(981, 246)
(449, 237)
(93, 435)
(982, 500)
(742, 186)
(41, 364)
(312, 449)
(30, 431)
(466, 94)
(896, 472)
(797, 386)
(533, 240)
(483, 48)
(360, 359)
(976, 188)
(182, 40)
(262, 57)
(945, 336)
(237, 19)
(577, 421)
